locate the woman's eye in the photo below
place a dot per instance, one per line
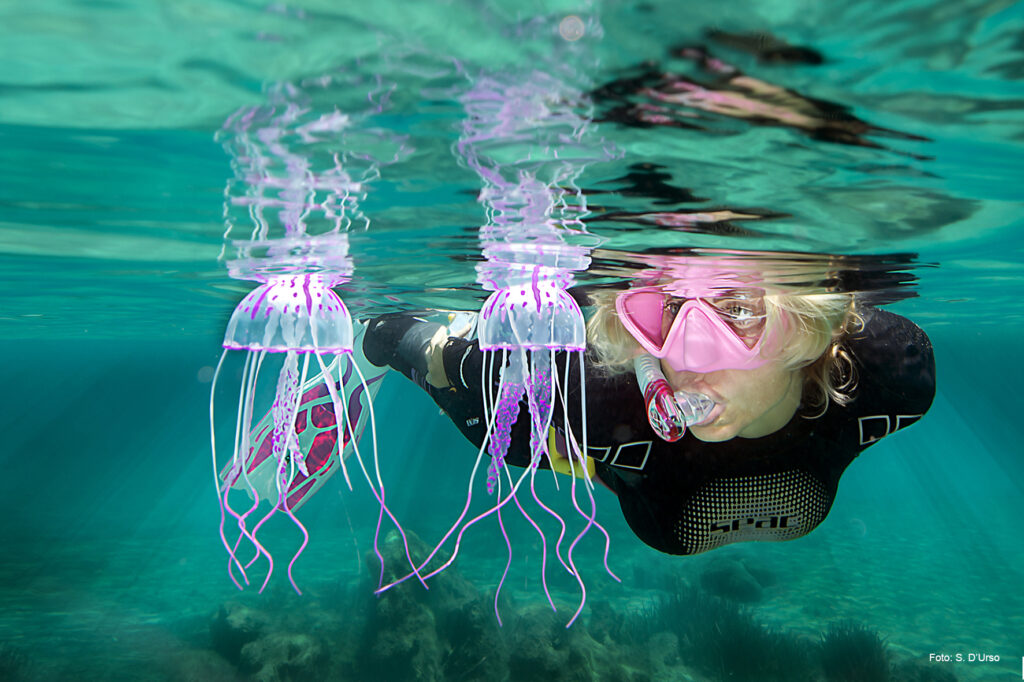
(740, 312)
(673, 306)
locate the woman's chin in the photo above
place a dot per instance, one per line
(713, 432)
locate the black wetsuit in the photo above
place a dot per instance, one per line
(689, 496)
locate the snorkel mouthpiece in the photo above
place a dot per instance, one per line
(695, 407)
(668, 413)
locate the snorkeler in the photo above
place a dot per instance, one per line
(719, 410)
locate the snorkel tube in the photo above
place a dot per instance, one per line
(668, 413)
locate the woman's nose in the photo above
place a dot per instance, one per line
(688, 379)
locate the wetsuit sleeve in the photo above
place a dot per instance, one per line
(400, 340)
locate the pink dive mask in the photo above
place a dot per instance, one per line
(706, 335)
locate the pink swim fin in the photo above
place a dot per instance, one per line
(316, 430)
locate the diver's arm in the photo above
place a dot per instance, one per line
(401, 341)
(410, 344)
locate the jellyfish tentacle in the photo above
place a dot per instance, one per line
(486, 387)
(338, 416)
(243, 450)
(236, 459)
(250, 377)
(292, 452)
(574, 454)
(255, 530)
(508, 545)
(448, 534)
(282, 413)
(295, 557)
(250, 384)
(557, 517)
(292, 443)
(541, 405)
(379, 496)
(565, 411)
(573, 444)
(543, 540)
(465, 509)
(243, 533)
(578, 452)
(536, 373)
(233, 551)
(283, 410)
(583, 402)
(380, 481)
(592, 519)
(476, 519)
(572, 546)
(590, 522)
(250, 536)
(539, 445)
(232, 557)
(287, 456)
(513, 380)
(366, 475)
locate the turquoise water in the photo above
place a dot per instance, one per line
(112, 193)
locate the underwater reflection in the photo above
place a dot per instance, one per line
(653, 96)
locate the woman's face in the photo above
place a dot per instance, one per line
(750, 402)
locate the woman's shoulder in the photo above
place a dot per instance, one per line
(885, 329)
(895, 367)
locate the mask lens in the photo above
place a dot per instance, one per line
(642, 312)
(744, 312)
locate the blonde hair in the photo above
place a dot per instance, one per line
(811, 331)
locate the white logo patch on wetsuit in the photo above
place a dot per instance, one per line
(878, 426)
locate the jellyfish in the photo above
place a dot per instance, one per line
(531, 332)
(521, 328)
(526, 135)
(314, 422)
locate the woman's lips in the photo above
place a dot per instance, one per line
(715, 413)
